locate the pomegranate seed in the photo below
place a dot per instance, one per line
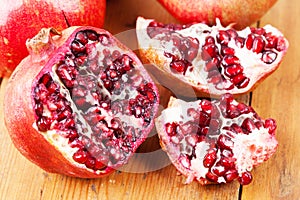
(269, 56)
(239, 41)
(227, 51)
(212, 64)
(249, 41)
(92, 35)
(258, 31)
(104, 39)
(178, 65)
(243, 83)
(233, 34)
(227, 162)
(248, 124)
(230, 60)
(233, 70)
(223, 37)
(237, 129)
(245, 178)
(271, 41)
(210, 158)
(258, 45)
(218, 170)
(81, 37)
(77, 47)
(231, 175)
(225, 142)
(212, 177)
(204, 119)
(237, 79)
(80, 156)
(281, 44)
(43, 124)
(171, 128)
(271, 125)
(209, 40)
(90, 162)
(209, 51)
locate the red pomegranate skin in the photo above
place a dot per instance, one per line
(240, 12)
(20, 20)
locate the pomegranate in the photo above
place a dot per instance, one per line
(212, 60)
(80, 104)
(20, 20)
(215, 141)
(242, 13)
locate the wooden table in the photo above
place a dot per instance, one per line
(277, 97)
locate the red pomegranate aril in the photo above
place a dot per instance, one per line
(271, 125)
(212, 64)
(223, 37)
(227, 162)
(178, 65)
(80, 156)
(238, 79)
(210, 158)
(43, 124)
(258, 45)
(218, 170)
(227, 51)
(269, 56)
(245, 178)
(233, 34)
(224, 142)
(240, 42)
(209, 51)
(249, 41)
(230, 60)
(249, 125)
(233, 70)
(231, 175)
(281, 44)
(212, 177)
(258, 31)
(209, 40)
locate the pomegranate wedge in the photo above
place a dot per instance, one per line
(215, 141)
(211, 60)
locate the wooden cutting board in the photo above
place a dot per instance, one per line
(277, 97)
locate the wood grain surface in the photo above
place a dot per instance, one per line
(277, 97)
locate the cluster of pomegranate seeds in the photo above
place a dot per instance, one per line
(217, 49)
(216, 141)
(95, 99)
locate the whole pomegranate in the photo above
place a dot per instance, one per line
(20, 20)
(210, 60)
(215, 141)
(240, 12)
(80, 104)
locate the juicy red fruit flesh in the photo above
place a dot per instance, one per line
(218, 126)
(84, 98)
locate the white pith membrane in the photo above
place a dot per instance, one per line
(58, 137)
(195, 75)
(249, 150)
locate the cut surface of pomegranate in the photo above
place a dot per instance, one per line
(215, 141)
(212, 60)
(81, 103)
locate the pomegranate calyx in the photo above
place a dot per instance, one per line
(41, 45)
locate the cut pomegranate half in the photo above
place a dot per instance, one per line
(81, 103)
(215, 141)
(212, 60)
